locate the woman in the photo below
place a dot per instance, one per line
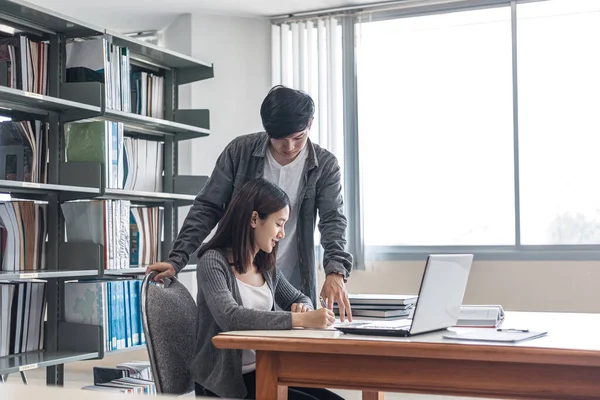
(238, 286)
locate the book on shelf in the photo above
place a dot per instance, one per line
(142, 165)
(132, 163)
(24, 64)
(131, 236)
(147, 94)
(129, 88)
(24, 151)
(103, 222)
(22, 312)
(482, 316)
(112, 304)
(146, 234)
(98, 60)
(23, 228)
(97, 141)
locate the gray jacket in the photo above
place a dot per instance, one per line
(321, 190)
(220, 309)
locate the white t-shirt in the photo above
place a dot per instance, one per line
(255, 298)
(288, 178)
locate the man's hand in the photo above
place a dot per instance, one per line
(164, 269)
(300, 308)
(334, 290)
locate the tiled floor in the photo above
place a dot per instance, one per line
(80, 374)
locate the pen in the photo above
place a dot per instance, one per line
(322, 302)
(512, 330)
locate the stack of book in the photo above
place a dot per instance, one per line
(22, 312)
(23, 232)
(24, 64)
(392, 306)
(131, 163)
(24, 151)
(380, 305)
(146, 230)
(129, 88)
(112, 304)
(101, 61)
(100, 142)
(103, 222)
(131, 236)
(132, 378)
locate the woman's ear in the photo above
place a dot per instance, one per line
(254, 219)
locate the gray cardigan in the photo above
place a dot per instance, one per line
(220, 309)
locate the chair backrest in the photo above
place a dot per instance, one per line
(169, 315)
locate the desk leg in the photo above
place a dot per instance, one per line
(372, 395)
(266, 378)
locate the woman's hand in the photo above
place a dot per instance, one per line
(300, 308)
(319, 319)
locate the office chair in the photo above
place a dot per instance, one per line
(169, 315)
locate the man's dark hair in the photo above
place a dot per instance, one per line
(286, 111)
(234, 231)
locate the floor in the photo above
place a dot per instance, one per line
(80, 374)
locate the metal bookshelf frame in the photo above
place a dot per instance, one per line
(71, 102)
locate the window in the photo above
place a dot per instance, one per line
(436, 129)
(559, 122)
(447, 98)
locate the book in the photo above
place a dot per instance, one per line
(381, 299)
(23, 229)
(480, 316)
(377, 307)
(24, 64)
(112, 304)
(22, 311)
(24, 151)
(379, 313)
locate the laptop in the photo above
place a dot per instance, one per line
(438, 305)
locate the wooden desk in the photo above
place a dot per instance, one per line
(563, 365)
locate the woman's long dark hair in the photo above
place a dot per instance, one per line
(234, 231)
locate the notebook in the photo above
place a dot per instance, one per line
(497, 335)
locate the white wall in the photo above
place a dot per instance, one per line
(178, 37)
(240, 49)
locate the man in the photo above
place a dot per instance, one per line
(309, 175)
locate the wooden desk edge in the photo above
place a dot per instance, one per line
(452, 351)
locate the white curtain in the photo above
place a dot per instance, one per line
(307, 55)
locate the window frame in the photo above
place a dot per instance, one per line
(352, 184)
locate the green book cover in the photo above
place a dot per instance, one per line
(85, 141)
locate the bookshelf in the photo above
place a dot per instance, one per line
(73, 102)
